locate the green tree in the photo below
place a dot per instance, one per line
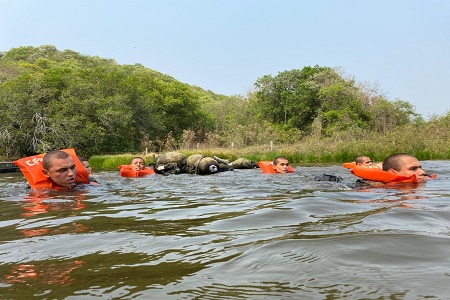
(387, 115)
(62, 99)
(290, 97)
(341, 109)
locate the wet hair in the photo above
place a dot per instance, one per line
(276, 159)
(51, 155)
(360, 159)
(394, 161)
(137, 157)
(81, 158)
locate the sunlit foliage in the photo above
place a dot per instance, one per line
(56, 99)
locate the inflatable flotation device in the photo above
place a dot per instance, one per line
(128, 171)
(267, 167)
(31, 167)
(378, 175)
(351, 165)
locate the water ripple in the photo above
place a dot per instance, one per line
(232, 235)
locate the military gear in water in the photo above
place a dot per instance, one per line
(243, 163)
(224, 164)
(200, 164)
(170, 163)
(328, 177)
(176, 163)
(240, 163)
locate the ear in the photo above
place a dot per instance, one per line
(45, 173)
(392, 171)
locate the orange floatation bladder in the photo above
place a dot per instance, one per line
(267, 167)
(128, 171)
(351, 165)
(378, 175)
(31, 167)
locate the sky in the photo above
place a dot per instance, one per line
(400, 48)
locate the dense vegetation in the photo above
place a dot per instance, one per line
(58, 99)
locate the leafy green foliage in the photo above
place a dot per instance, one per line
(58, 99)
(318, 100)
(54, 99)
(290, 97)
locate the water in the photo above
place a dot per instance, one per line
(233, 235)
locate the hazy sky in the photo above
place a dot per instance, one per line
(401, 47)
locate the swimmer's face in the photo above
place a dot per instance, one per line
(87, 166)
(365, 162)
(282, 166)
(137, 164)
(411, 166)
(62, 172)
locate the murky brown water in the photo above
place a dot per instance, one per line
(233, 235)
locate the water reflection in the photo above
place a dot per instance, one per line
(231, 235)
(41, 202)
(58, 273)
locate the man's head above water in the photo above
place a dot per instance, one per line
(60, 168)
(280, 164)
(403, 164)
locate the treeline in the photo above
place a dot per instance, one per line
(58, 99)
(55, 99)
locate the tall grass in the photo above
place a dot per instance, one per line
(424, 143)
(112, 162)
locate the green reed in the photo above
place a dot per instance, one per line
(112, 162)
(422, 142)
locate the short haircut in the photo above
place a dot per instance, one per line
(360, 159)
(137, 157)
(394, 161)
(276, 159)
(52, 155)
(81, 158)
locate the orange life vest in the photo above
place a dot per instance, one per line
(378, 175)
(351, 165)
(31, 167)
(267, 167)
(128, 171)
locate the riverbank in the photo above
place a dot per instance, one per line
(310, 150)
